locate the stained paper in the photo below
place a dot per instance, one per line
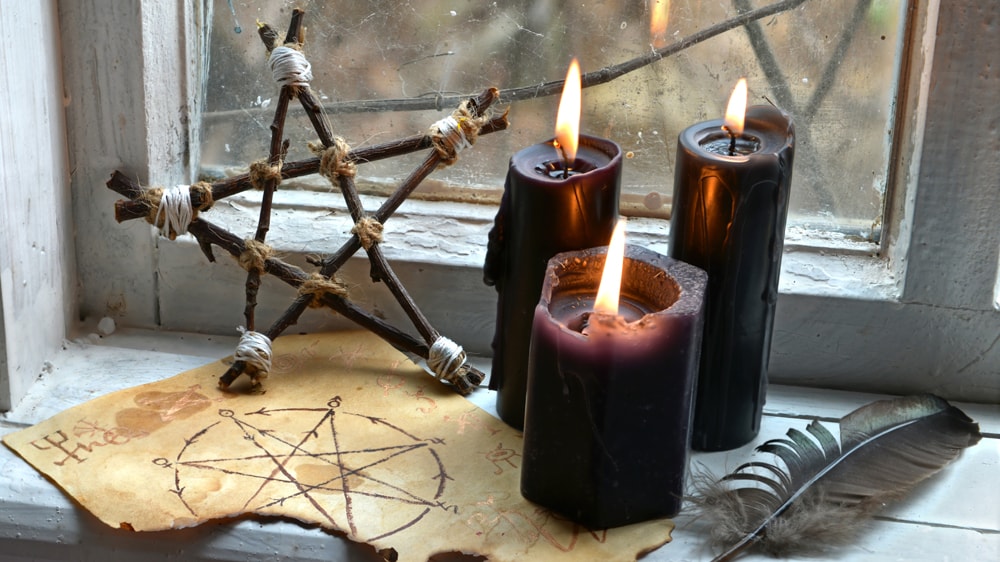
(347, 434)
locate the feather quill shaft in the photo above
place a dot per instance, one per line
(828, 487)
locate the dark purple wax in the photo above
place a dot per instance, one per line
(728, 218)
(541, 214)
(608, 414)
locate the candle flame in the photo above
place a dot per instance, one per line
(737, 110)
(611, 279)
(568, 117)
(658, 18)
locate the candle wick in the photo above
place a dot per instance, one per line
(567, 165)
(732, 141)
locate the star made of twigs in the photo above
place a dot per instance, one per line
(175, 212)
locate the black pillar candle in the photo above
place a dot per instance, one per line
(608, 422)
(546, 209)
(729, 208)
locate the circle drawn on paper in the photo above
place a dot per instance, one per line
(324, 462)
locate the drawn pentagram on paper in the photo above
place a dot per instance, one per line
(337, 463)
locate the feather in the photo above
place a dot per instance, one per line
(828, 488)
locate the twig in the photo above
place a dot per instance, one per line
(381, 271)
(276, 154)
(209, 234)
(471, 377)
(135, 208)
(331, 265)
(334, 262)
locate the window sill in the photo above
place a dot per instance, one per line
(950, 517)
(816, 262)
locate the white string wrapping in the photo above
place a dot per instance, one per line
(175, 210)
(451, 132)
(290, 67)
(255, 350)
(445, 358)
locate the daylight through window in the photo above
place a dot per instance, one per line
(833, 65)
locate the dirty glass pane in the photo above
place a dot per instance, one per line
(832, 64)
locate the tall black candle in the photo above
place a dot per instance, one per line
(560, 195)
(542, 214)
(729, 208)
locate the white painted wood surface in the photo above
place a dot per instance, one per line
(132, 77)
(37, 284)
(954, 516)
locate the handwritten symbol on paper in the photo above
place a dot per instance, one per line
(288, 362)
(470, 419)
(562, 534)
(334, 462)
(499, 455)
(349, 358)
(389, 382)
(94, 434)
(419, 395)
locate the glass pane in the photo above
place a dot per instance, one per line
(832, 64)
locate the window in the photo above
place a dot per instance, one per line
(914, 312)
(833, 65)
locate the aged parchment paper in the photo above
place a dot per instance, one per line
(348, 434)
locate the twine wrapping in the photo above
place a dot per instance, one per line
(255, 255)
(254, 349)
(333, 161)
(172, 210)
(445, 359)
(262, 172)
(318, 286)
(369, 231)
(456, 132)
(289, 67)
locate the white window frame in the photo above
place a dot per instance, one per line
(917, 313)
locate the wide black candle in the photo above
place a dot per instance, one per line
(608, 420)
(729, 208)
(546, 209)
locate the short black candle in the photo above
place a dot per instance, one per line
(541, 214)
(608, 416)
(728, 218)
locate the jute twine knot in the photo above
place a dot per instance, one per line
(456, 132)
(173, 210)
(334, 161)
(203, 190)
(254, 255)
(369, 231)
(318, 286)
(261, 172)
